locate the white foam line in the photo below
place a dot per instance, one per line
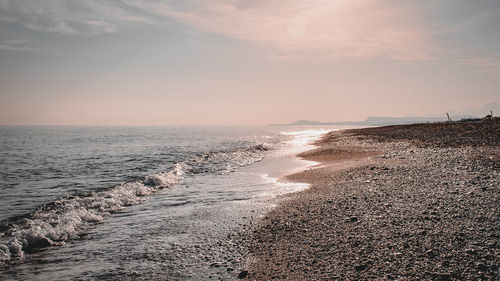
(55, 223)
(63, 219)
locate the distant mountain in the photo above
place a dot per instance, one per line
(383, 120)
(375, 120)
(478, 112)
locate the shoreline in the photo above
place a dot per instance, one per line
(397, 202)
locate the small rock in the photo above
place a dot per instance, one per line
(361, 267)
(481, 266)
(243, 274)
(441, 276)
(430, 253)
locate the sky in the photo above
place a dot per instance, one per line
(243, 62)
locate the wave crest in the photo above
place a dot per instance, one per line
(65, 218)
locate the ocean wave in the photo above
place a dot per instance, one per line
(226, 161)
(56, 222)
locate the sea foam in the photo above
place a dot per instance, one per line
(67, 217)
(58, 221)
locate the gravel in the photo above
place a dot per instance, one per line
(401, 208)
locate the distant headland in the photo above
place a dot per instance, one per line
(466, 114)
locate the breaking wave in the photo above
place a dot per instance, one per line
(67, 217)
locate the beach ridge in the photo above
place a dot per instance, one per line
(398, 202)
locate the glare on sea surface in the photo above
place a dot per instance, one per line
(305, 137)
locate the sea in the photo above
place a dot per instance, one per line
(139, 203)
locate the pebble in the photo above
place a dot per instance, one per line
(432, 213)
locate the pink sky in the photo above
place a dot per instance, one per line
(232, 62)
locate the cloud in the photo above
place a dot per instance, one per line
(490, 65)
(320, 28)
(17, 45)
(84, 17)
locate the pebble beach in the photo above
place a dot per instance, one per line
(402, 202)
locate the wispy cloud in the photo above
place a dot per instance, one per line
(17, 45)
(85, 17)
(489, 65)
(321, 28)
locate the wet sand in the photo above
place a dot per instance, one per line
(397, 203)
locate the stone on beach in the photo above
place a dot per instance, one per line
(410, 203)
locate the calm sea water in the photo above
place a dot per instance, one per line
(150, 203)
